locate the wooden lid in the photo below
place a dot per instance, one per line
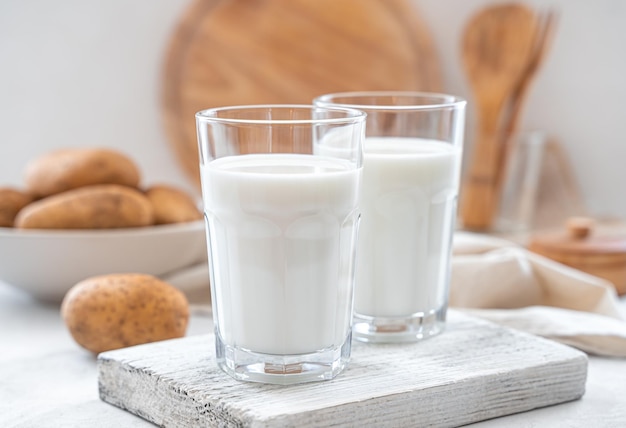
(288, 51)
(579, 237)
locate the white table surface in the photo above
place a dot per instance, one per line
(47, 380)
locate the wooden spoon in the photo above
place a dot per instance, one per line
(542, 42)
(497, 44)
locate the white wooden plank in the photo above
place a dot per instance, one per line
(474, 371)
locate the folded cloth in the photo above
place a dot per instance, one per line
(500, 281)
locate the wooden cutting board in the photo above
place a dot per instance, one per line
(233, 52)
(474, 371)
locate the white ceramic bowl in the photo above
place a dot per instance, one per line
(47, 263)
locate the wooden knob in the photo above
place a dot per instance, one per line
(579, 227)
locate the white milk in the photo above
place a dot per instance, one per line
(282, 231)
(408, 204)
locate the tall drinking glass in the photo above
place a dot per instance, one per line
(280, 187)
(411, 171)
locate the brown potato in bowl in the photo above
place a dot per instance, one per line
(105, 206)
(67, 169)
(11, 202)
(172, 205)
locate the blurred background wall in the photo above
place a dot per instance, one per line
(87, 72)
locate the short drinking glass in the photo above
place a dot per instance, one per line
(280, 187)
(411, 169)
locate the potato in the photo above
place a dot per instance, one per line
(11, 202)
(172, 205)
(68, 169)
(91, 207)
(118, 310)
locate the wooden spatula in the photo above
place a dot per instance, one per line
(544, 34)
(497, 45)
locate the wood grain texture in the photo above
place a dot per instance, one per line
(496, 48)
(474, 371)
(273, 51)
(581, 245)
(542, 41)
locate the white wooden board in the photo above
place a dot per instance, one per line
(474, 371)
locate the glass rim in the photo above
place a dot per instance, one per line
(352, 115)
(446, 100)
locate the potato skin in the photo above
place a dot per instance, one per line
(11, 202)
(67, 169)
(119, 310)
(105, 206)
(172, 205)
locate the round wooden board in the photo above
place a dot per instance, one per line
(236, 52)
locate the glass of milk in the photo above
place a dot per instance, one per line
(280, 186)
(411, 169)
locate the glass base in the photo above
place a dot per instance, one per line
(246, 365)
(413, 328)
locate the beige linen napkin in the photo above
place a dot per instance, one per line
(499, 281)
